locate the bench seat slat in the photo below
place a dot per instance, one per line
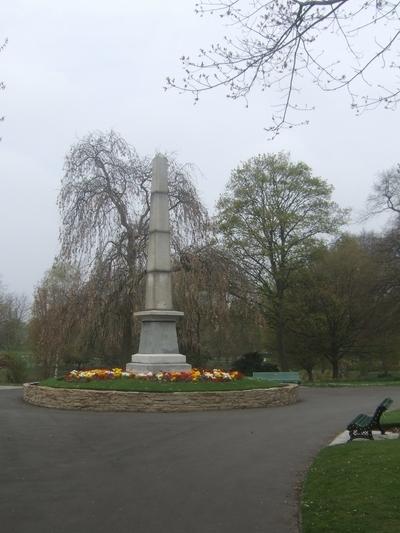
(361, 421)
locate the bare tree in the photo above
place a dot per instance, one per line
(279, 44)
(13, 316)
(386, 193)
(105, 202)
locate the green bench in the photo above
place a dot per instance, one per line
(362, 425)
(282, 377)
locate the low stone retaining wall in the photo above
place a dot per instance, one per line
(99, 400)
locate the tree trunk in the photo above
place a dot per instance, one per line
(310, 374)
(280, 342)
(127, 336)
(55, 375)
(280, 333)
(335, 368)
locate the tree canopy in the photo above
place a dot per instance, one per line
(272, 216)
(335, 303)
(13, 313)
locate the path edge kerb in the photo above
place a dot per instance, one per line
(148, 402)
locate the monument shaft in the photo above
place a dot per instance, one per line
(158, 348)
(158, 276)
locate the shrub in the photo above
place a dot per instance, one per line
(253, 362)
(16, 367)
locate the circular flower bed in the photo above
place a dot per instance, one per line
(116, 390)
(195, 375)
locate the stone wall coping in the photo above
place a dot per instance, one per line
(137, 401)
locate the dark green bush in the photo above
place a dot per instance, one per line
(253, 362)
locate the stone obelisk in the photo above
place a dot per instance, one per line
(158, 347)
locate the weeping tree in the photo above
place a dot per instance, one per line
(108, 333)
(105, 208)
(57, 314)
(78, 321)
(219, 324)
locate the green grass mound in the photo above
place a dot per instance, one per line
(391, 418)
(138, 385)
(353, 488)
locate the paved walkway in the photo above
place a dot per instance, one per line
(207, 472)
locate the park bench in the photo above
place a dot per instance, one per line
(282, 377)
(362, 425)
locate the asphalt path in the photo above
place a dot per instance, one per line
(207, 472)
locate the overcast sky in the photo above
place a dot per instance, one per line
(80, 65)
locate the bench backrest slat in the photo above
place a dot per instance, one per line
(288, 377)
(382, 407)
(387, 402)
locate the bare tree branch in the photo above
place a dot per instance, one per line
(105, 203)
(274, 44)
(2, 84)
(386, 194)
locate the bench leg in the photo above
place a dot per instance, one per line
(380, 428)
(360, 434)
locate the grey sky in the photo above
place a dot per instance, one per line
(80, 65)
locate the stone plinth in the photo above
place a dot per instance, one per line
(158, 349)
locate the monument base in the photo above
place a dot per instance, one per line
(158, 363)
(158, 348)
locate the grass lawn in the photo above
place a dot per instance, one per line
(150, 386)
(353, 488)
(392, 381)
